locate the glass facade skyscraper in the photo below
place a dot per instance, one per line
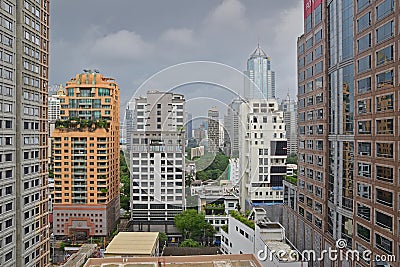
(348, 155)
(262, 78)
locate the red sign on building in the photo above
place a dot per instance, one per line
(309, 6)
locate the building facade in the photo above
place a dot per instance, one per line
(261, 82)
(157, 161)
(289, 108)
(24, 232)
(213, 130)
(262, 153)
(86, 157)
(348, 186)
(231, 124)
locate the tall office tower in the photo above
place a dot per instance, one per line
(348, 186)
(213, 129)
(157, 161)
(231, 123)
(289, 108)
(262, 152)
(189, 126)
(262, 78)
(24, 232)
(86, 157)
(130, 124)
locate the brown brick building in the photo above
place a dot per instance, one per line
(348, 184)
(86, 157)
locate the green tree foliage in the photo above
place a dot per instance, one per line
(217, 169)
(189, 243)
(125, 180)
(192, 225)
(292, 159)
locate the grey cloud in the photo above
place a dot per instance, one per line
(131, 40)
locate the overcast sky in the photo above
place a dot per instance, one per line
(131, 40)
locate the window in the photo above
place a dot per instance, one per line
(383, 243)
(364, 190)
(364, 127)
(384, 9)
(384, 80)
(364, 106)
(300, 49)
(364, 149)
(385, 102)
(318, 36)
(363, 232)
(309, 57)
(384, 32)
(364, 43)
(318, 83)
(364, 85)
(384, 150)
(309, 43)
(384, 56)
(364, 64)
(317, 14)
(363, 211)
(384, 197)
(318, 67)
(308, 23)
(364, 22)
(384, 126)
(364, 169)
(361, 4)
(318, 52)
(384, 221)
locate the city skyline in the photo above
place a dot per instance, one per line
(206, 31)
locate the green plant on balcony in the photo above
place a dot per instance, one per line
(225, 228)
(104, 190)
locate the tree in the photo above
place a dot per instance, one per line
(189, 243)
(190, 223)
(291, 159)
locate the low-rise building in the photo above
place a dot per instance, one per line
(133, 244)
(244, 260)
(261, 237)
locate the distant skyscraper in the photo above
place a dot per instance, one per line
(189, 126)
(24, 46)
(213, 130)
(54, 105)
(86, 157)
(289, 108)
(129, 124)
(157, 161)
(231, 125)
(262, 77)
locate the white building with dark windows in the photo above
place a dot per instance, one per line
(157, 161)
(262, 153)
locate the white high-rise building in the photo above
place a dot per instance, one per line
(262, 152)
(157, 160)
(289, 108)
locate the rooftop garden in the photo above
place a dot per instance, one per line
(292, 178)
(225, 228)
(235, 214)
(78, 123)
